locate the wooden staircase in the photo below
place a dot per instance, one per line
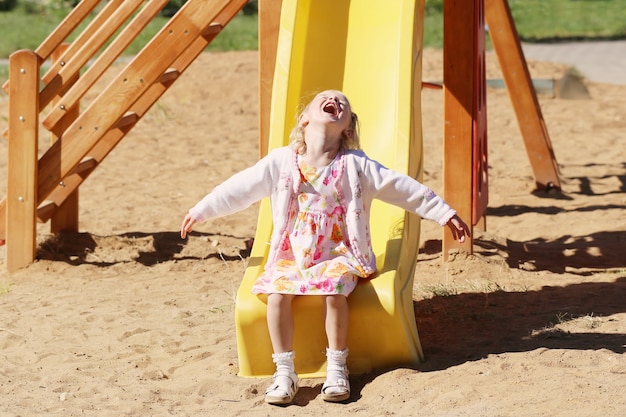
(46, 188)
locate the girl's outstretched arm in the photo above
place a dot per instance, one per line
(459, 228)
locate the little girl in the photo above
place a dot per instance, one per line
(321, 188)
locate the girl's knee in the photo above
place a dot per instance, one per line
(278, 300)
(336, 301)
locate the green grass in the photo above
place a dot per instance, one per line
(548, 20)
(23, 30)
(433, 30)
(241, 34)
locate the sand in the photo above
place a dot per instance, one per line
(126, 319)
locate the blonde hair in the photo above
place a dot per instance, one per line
(297, 133)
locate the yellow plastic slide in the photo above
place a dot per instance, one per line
(370, 50)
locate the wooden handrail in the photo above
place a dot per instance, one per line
(124, 90)
(104, 61)
(66, 27)
(91, 46)
(63, 30)
(98, 21)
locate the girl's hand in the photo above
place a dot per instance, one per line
(187, 226)
(459, 228)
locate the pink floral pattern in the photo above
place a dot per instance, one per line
(315, 257)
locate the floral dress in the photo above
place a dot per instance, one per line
(315, 257)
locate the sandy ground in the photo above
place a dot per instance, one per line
(126, 319)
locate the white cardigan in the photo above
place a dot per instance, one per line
(362, 179)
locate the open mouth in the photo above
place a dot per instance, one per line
(331, 108)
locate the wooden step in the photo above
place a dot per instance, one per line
(169, 75)
(86, 164)
(212, 31)
(46, 210)
(130, 118)
(65, 188)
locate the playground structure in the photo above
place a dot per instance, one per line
(47, 188)
(350, 35)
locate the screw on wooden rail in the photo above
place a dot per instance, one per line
(22, 118)
(20, 199)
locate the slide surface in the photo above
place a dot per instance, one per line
(370, 50)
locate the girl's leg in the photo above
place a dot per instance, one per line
(337, 317)
(280, 321)
(280, 324)
(337, 386)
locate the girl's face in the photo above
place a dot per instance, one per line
(330, 107)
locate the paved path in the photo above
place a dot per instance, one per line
(600, 61)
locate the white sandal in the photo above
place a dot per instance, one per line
(337, 385)
(283, 389)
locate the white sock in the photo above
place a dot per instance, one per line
(284, 362)
(336, 360)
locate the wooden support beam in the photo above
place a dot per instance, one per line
(21, 230)
(65, 216)
(3, 221)
(269, 26)
(459, 98)
(480, 165)
(519, 85)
